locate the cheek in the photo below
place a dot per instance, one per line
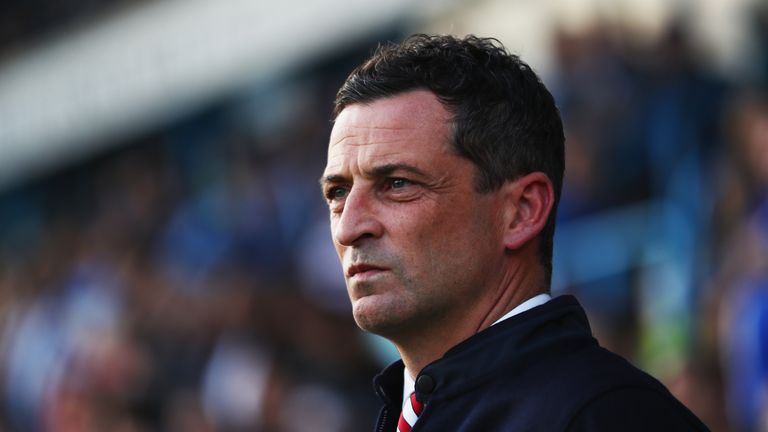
(418, 232)
(465, 237)
(437, 244)
(339, 248)
(334, 227)
(340, 253)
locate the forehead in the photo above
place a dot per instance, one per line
(413, 123)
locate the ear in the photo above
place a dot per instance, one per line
(528, 200)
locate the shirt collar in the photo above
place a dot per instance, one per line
(408, 385)
(526, 305)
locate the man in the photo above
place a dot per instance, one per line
(444, 170)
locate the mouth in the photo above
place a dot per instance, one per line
(363, 270)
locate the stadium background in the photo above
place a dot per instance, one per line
(165, 263)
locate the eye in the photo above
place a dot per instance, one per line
(400, 189)
(399, 183)
(336, 193)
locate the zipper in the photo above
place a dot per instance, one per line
(383, 417)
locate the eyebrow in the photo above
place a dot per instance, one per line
(388, 169)
(378, 171)
(332, 179)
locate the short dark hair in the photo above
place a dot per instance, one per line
(504, 119)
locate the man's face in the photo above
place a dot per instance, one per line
(417, 243)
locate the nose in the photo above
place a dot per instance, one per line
(358, 220)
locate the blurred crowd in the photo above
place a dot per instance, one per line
(186, 281)
(179, 285)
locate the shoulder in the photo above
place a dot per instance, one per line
(598, 390)
(634, 409)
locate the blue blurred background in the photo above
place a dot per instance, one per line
(165, 261)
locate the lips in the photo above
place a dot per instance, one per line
(360, 269)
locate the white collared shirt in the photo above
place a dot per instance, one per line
(409, 384)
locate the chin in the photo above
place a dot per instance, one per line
(383, 314)
(376, 322)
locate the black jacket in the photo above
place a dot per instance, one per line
(540, 370)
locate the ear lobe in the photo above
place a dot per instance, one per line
(528, 202)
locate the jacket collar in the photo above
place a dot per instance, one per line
(509, 345)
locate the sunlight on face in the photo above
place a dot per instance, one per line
(415, 240)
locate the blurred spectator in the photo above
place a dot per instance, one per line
(743, 278)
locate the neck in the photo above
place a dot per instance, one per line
(430, 344)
